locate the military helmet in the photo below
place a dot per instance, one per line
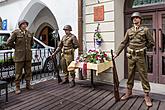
(136, 14)
(21, 22)
(67, 27)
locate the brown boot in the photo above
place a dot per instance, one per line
(147, 99)
(72, 83)
(17, 90)
(127, 95)
(66, 81)
(28, 85)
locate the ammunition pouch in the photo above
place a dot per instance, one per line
(129, 55)
(68, 52)
(131, 52)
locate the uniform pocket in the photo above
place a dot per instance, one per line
(129, 55)
(141, 36)
(141, 33)
(20, 38)
(19, 35)
(29, 35)
(131, 35)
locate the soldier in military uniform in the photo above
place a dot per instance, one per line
(68, 44)
(137, 38)
(21, 40)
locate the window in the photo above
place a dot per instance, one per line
(139, 3)
(3, 40)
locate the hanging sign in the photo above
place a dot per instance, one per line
(99, 13)
(4, 24)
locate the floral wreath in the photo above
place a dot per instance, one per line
(94, 56)
(97, 36)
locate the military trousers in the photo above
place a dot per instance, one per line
(138, 62)
(65, 61)
(19, 66)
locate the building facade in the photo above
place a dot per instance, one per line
(114, 19)
(44, 16)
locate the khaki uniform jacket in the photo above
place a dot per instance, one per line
(136, 39)
(68, 43)
(22, 43)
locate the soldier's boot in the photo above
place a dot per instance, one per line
(66, 81)
(147, 99)
(29, 86)
(17, 84)
(72, 83)
(127, 95)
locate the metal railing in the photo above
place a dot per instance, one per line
(42, 66)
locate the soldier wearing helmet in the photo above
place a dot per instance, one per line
(22, 22)
(68, 44)
(136, 14)
(67, 27)
(137, 39)
(21, 40)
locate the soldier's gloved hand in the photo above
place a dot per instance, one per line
(53, 55)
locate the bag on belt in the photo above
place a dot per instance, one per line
(136, 52)
(69, 51)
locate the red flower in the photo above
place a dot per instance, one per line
(98, 57)
(90, 50)
(105, 55)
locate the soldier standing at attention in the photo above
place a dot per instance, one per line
(137, 38)
(68, 44)
(22, 40)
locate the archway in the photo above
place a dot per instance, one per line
(153, 16)
(45, 35)
(39, 17)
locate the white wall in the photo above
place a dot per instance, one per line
(119, 35)
(107, 29)
(106, 26)
(112, 30)
(65, 12)
(11, 11)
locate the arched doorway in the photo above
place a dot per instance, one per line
(46, 36)
(42, 21)
(153, 14)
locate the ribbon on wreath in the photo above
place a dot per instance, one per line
(84, 69)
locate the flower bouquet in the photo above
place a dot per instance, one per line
(94, 56)
(98, 38)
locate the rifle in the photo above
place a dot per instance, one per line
(56, 70)
(115, 80)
